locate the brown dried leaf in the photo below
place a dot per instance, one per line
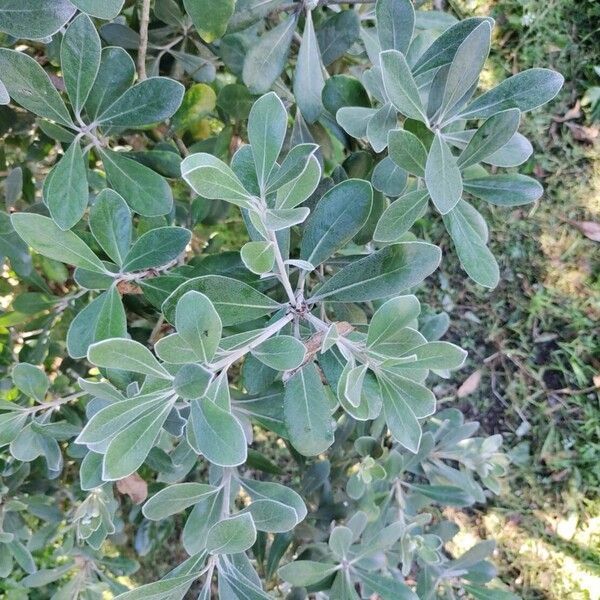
(134, 486)
(590, 229)
(470, 384)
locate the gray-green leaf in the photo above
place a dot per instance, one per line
(45, 237)
(267, 125)
(395, 24)
(265, 61)
(216, 434)
(150, 101)
(213, 179)
(308, 76)
(128, 355)
(474, 255)
(66, 193)
(306, 411)
(384, 273)
(198, 324)
(232, 535)
(33, 19)
(400, 86)
(157, 247)
(110, 223)
(80, 59)
(29, 85)
(337, 218)
(442, 176)
(146, 192)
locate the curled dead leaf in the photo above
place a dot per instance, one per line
(470, 384)
(134, 487)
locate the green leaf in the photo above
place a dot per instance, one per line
(400, 86)
(110, 223)
(337, 34)
(510, 189)
(216, 434)
(210, 19)
(101, 9)
(444, 494)
(379, 126)
(46, 576)
(442, 176)
(391, 317)
(112, 321)
(150, 101)
(275, 492)
(198, 324)
(407, 151)
(235, 301)
(130, 447)
(173, 588)
(272, 516)
(266, 60)
(198, 102)
(66, 193)
(386, 587)
(176, 498)
(282, 352)
(213, 179)
(388, 178)
(355, 119)
(400, 216)
(339, 215)
(128, 355)
(29, 85)
(525, 91)
(301, 188)
(46, 238)
(82, 330)
(259, 257)
(384, 273)
(115, 76)
(110, 420)
(192, 381)
(400, 419)
(474, 256)
(80, 59)
(306, 572)
(482, 593)
(11, 424)
(466, 66)
(340, 541)
(232, 535)
(306, 410)
(493, 135)
(395, 24)
(443, 49)
(30, 380)
(33, 19)
(437, 355)
(343, 90)
(308, 76)
(146, 192)
(267, 124)
(156, 248)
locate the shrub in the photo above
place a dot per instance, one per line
(271, 402)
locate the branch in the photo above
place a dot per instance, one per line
(143, 47)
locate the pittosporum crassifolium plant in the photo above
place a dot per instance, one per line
(270, 406)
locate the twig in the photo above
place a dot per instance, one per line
(143, 47)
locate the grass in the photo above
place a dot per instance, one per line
(536, 337)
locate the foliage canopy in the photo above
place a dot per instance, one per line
(274, 401)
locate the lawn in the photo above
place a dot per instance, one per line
(534, 342)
